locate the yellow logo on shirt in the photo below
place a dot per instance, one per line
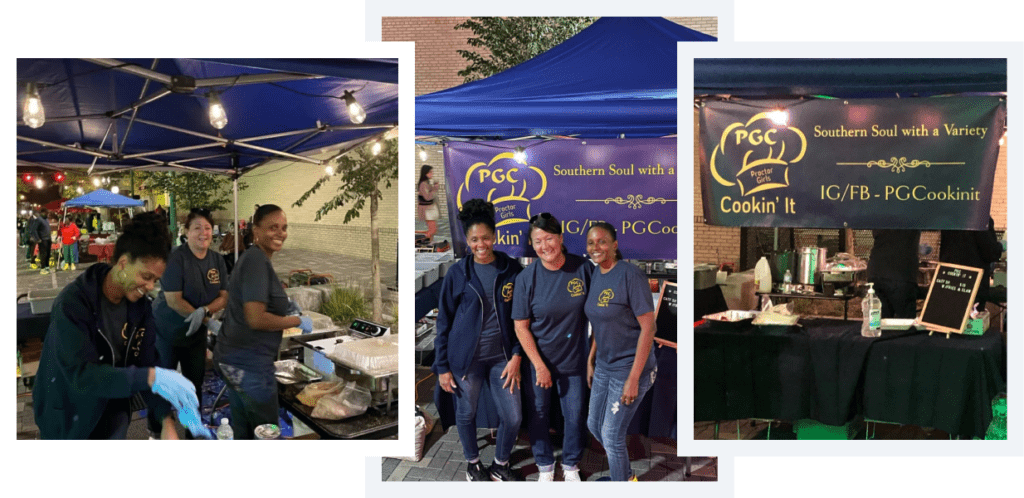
(213, 276)
(605, 296)
(575, 287)
(506, 292)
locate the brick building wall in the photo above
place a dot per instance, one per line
(283, 182)
(438, 64)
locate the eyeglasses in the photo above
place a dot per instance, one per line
(541, 216)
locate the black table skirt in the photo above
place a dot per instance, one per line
(30, 325)
(827, 372)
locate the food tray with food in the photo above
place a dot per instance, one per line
(375, 356)
(899, 323)
(770, 321)
(291, 372)
(731, 319)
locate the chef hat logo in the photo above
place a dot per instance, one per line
(757, 154)
(509, 184)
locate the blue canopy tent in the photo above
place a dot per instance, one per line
(617, 76)
(103, 198)
(118, 115)
(847, 77)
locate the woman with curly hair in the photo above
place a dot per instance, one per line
(100, 348)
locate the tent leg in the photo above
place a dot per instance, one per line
(238, 233)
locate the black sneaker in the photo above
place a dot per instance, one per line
(502, 473)
(476, 472)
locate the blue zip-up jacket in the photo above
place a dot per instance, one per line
(76, 374)
(460, 314)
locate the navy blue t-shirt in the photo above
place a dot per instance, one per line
(615, 300)
(254, 280)
(553, 300)
(198, 280)
(489, 347)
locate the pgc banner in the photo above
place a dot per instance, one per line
(630, 183)
(924, 163)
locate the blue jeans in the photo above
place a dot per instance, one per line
(508, 405)
(253, 398)
(609, 418)
(571, 390)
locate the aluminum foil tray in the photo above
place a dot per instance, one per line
(376, 356)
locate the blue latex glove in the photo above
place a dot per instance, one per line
(293, 308)
(195, 320)
(213, 326)
(176, 389)
(190, 419)
(306, 324)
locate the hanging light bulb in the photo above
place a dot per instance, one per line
(519, 155)
(33, 114)
(355, 111)
(423, 154)
(1002, 139)
(27, 177)
(329, 170)
(23, 198)
(779, 117)
(115, 189)
(218, 117)
(79, 190)
(39, 183)
(376, 148)
(95, 182)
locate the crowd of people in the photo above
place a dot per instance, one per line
(492, 312)
(108, 342)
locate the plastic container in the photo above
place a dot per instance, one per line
(872, 308)
(224, 431)
(763, 276)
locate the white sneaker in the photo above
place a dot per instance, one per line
(572, 475)
(546, 476)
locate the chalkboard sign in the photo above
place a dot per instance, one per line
(665, 312)
(950, 297)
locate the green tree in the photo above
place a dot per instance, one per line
(511, 40)
(190, 190)
(363, 177)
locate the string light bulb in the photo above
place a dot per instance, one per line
(423, 154)
(115, 189)
(519, 155)
(376, 148)
(329, 170)
(79, 190)
(32, 113)
(218, 116)
(356, 113)
(39, 183)
(779, 117)
(95, 182)
(1002, 139)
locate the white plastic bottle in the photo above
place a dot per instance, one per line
(872, 307)
(763, 276)
(787, 281)
(224, 431)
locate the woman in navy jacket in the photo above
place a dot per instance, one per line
(476, 343)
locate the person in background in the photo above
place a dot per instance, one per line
(426, 209)
(476, 346)
(43, 239)
(552, 328)
(621, 368)
(30, 239)
(100, 348)
(75, 248)
(893, 268)
(193, 288)
(69, 235)
(253, 323)
(978, 249)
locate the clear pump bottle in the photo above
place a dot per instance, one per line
(872, 307)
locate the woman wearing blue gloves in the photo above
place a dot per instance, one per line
(255, 317)
(100, 348)
(193, 288)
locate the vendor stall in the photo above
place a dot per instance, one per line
(845, 144)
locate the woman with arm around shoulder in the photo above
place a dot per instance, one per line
(620, 367)
(476, 345)
(426, 204)
(552, 328)
(252, 327)
(193, 288)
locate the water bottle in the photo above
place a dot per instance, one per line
(872, 307)
(224, 431)
(787, 281)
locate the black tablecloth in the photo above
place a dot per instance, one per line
(708, 301)
(827, 372)
(30, 325)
